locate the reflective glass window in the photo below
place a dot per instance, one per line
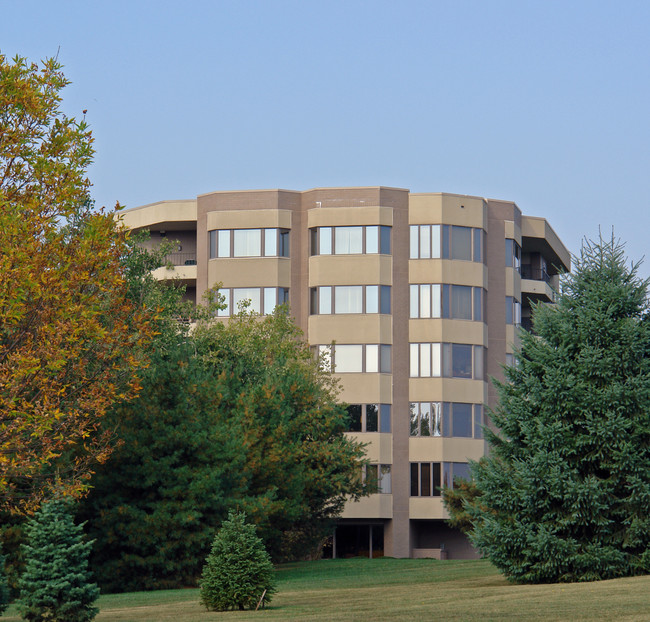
(385, 478)
(384, 240)
(478, 421)
(478, 245)
(478, 304)
(385, 299)
(461, 243)
(479, 354)
(284, 243)
(461, 302)
(461, 360)
(384, 414)
(385, 363)
(461, 422)
(372, 418)
(354, 415)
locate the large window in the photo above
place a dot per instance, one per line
(513, 254)
(262, 300)
(248, 243)
(369, 417)
(459, 302)
(350, 299)
(369, 239)
(452, 360)
(356, 358)
(446, 242)
(448, 419)
(453, 471)
(427, 478)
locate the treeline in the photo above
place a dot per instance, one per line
(156, 417)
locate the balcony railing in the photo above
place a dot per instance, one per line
(181, 259)
(534, 274)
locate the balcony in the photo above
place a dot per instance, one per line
(181, 259)
(534, 274)
(180, 267)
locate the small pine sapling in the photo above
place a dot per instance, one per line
(55, 584)
(238, 573)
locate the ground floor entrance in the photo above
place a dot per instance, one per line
(356, 540)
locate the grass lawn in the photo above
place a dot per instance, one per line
(397, 589)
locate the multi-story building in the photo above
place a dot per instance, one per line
(421, 296)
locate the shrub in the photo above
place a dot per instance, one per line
(55, 584)
(238, 572)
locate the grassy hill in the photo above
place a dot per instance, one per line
(398, 589)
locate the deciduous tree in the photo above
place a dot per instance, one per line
(69, 333)
(300, 468)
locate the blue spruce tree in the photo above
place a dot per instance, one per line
(55, 584)
(564, 494)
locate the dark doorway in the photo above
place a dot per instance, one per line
(359, 541)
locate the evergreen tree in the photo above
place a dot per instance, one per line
(234, 415)
(155, 506)
(4, 586)
(55, 584)
(564, 494)
(238, 573)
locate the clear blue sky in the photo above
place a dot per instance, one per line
(545, 102)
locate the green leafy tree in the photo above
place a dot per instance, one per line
(238, 573)
(565, 490)
(55, 584)
(299, 467)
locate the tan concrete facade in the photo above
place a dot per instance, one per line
(459, 274)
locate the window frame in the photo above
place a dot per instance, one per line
(221, 243)
(383, 413)
(323, 240)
